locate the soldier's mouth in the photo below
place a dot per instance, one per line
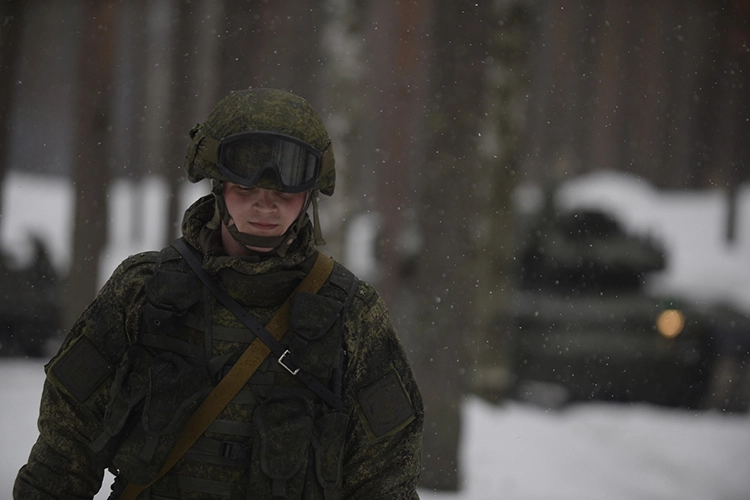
(263, 226)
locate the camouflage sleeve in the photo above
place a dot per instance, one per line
(382, 456)
(61, 463)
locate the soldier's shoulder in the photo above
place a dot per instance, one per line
(366, 294)
(129, 277)
(362, 291)
(137, 264)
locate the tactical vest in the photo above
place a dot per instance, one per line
(275, 439)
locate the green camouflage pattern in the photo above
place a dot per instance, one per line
(63, 463)
(268, 110)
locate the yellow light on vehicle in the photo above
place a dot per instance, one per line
(670, 323)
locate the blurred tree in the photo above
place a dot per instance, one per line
(652, 88)
(180, 106)
(161, 40)
(398, 47)
(192, 90)
(11, 22)
(731, 155)
(92, 163)
(272, 44)
(502, 142)
(437, 77)
(448, 180)
(132, 149)
(344, 101)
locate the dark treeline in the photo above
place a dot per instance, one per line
(437, 108)
(658, 89)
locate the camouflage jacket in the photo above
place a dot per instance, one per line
(154, 342)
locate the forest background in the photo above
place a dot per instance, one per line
(438, 110)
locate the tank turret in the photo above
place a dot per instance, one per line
(586, 250)
(583, 326)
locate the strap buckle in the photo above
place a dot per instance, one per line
(234, 451)
(281, 362)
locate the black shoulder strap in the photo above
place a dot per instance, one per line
(284, 357)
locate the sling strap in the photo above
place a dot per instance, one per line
(279, 323)
(267, 341)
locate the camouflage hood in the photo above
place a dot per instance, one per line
(200, 234)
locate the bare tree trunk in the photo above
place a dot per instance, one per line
(159, 37)
(11, 22)
(399, 69)
(730, 154)
(181, 101)
(398, 47)
(491, 355)
(448, 217)
(273, 44)
(131, 114)
(192, 92)
(606, 131)
(92, 169)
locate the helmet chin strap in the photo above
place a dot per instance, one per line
(275, 244)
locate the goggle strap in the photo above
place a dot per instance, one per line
(319, 241)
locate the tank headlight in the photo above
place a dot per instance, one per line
(670, 323)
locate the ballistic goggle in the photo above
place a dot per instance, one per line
(244, 157)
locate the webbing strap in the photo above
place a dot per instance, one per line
(241, 372)
(279, 324)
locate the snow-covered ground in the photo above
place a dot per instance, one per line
(592, 451)
(516, 452)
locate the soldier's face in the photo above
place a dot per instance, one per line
(259, 212)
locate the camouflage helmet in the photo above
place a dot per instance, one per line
(259, 110)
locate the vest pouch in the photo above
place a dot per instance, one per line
(127, 393)
(160, 321)
(173, 290)
(169, 295)
(284, 428)
(175, 388)
(316, 344)
(328, 441)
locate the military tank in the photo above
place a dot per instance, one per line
(582, 326)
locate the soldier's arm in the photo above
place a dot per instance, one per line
(382, 457)
(62, 463)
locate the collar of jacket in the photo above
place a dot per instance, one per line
(199, 233)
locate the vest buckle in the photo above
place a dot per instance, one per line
(292, 370)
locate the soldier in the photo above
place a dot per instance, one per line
(152, 384)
